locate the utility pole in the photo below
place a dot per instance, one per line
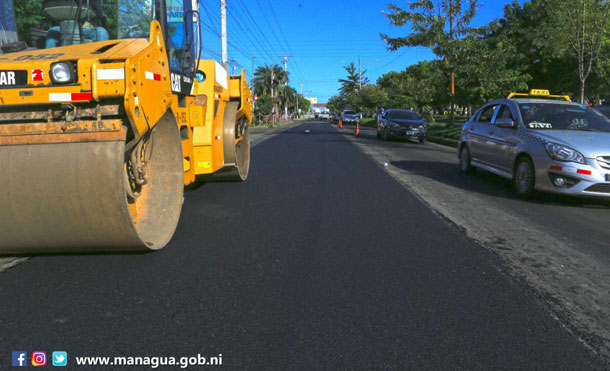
(223, 23)
(286, 83)
(359, 75)
(233, 64)
(299, 97)
(272, 78)
(286, 62)
(272, 96)
(252, 76)
(452, 93)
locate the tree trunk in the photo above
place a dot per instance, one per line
(582, 91)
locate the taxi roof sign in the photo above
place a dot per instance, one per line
(539, 93)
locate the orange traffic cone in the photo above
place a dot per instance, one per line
(340, 124)
(357, 129)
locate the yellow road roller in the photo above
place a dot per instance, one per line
(106, 119)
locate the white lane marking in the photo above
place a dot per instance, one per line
(6, 263)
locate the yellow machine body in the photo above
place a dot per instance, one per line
(210, 101)
(67, 150)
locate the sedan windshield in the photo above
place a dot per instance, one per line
(349, 112)
(403, 115)
(553, 116)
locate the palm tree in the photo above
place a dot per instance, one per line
(351, 84)
(263, 81)
(287, 97)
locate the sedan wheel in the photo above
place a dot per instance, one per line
(524, 177)
(385, 134)
(465, 160)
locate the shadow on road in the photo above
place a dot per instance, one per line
(368, 137)
(490, 184)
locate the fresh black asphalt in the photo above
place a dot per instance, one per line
(319, 261)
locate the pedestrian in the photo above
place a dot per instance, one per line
(381, 111)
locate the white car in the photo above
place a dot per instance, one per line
(539, 143)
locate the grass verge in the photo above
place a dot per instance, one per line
(442, 134)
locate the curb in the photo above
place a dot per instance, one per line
(260, 135)
(444, 141)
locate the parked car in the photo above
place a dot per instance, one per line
(540, 143)
(336, 117)
(401, 124)
(349, 116)
(324, 115)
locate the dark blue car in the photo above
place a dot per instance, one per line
(401, 124)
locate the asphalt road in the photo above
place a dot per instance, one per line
(556, 243)
(320, 260)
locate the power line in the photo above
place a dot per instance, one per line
(248, 35)
(264, 43)
(298, 70)
(390, 62)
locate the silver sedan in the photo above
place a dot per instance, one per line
(540, 144)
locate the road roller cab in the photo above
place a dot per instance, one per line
(101, 128)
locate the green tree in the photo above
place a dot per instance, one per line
(337, 103)
(304, 104)
(351, 84)
(29, 15)
(438, 25)
(585, 27)
(370, 99)
(287, 97)
(489, 69)
(268, 77)
(263, 105)
(418, 86)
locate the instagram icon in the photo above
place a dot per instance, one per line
(39, 358)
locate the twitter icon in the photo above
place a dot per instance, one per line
(60, 359)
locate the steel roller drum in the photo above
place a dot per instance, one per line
(70, 196)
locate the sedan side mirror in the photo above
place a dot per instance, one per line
(505, 123)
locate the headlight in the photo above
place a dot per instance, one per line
(563, 153)
(62, 72)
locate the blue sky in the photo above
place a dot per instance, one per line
(321, 35)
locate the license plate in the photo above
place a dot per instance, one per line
(13, 77)
(410, 132)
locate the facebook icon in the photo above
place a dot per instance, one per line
(20, 358)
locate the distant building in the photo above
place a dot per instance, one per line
(319, 107)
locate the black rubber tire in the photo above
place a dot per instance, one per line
(465, 160)
(421, 140)
(385, 134)
(524, 177)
